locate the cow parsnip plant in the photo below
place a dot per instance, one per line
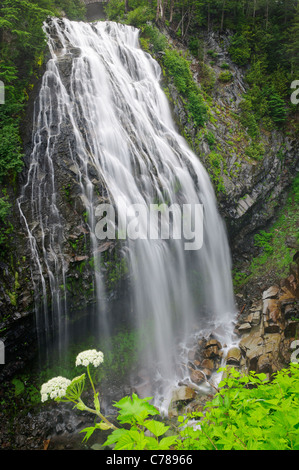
(143, 433)
(248, 412)
(64, 390)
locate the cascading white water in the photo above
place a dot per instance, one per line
(122, 126)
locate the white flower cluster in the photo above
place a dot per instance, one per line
(91, 356)
(54, 388)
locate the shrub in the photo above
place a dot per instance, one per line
(114, 9)
(263, 240)
(248, 413)
(153, 35)
(240, 50)
(197, 108)
(277, 108)
(255, 151)
(139, 16)
(248, 118)
(225, 76)
(10, 150)
(178, 68)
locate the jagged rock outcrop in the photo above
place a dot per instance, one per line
(250, 191)
(266, 341)
(269, 328)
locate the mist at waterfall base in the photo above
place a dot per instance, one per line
(101, 101)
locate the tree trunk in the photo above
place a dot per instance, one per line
(164, 9)
(254, 8)
(171, 11)
(222, 15)
(189, 21)
(267, 13)
(158, 10)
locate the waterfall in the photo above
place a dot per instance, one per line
(101, 102)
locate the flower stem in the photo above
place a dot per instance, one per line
(88, 371)
(98, 413)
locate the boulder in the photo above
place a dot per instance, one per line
(244, 327)
(264, 364)
(233, 356)
(197, 376)
(211, 352)
(251, 347)
(272, 316)
(183, 393)
(208, 364)
(254, 318)
(271, 293)
(214, 343)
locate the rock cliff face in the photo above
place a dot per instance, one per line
(249, 191)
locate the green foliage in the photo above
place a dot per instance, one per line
(248, 413)
(4, 208)
(74, 9)
(139, 16)
(178, 68)
(277, 109)
(194, 46)
(134, 412)
(5, 228)
(217, 165)
(19, 386)
(263, 240)
(255, 150)
(157, 40)
(197, 108)
(248, 118)
(210, 138)
(115, 268)
(10, 150)
(240, 50)
(114, 10)
(225, 76)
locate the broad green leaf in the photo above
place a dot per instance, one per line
(131, 440)
(151, 443)
(156, 427)
(125, 442)
(132, 408)
(167, 442)
(115, 436)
